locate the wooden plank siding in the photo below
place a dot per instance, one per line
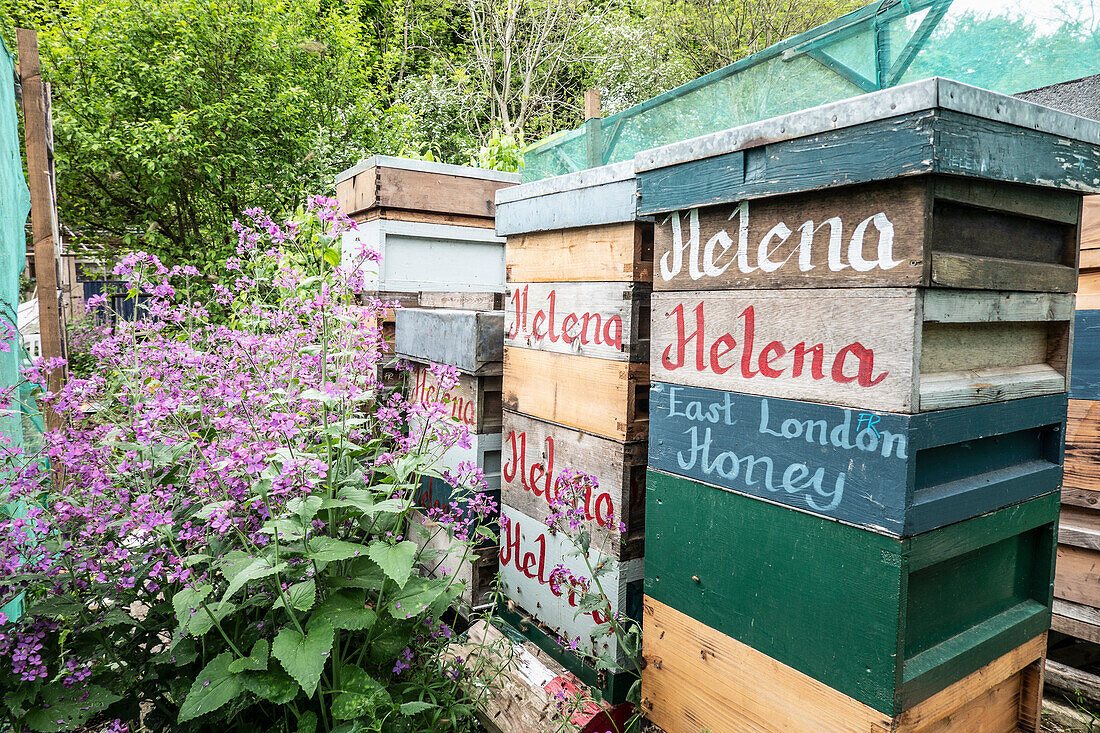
(600, 396)
(536, 452)
(529, 552)
(887, 621)
(696, 678)
(604, 253)
(604, 320)
(891, 473)
(924, 231)
(470, 341)
(897, 350)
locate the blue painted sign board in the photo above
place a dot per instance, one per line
(894, 474)
(1084, 378)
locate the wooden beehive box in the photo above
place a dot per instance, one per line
(601, 396)
(421, 191)
(473, 401)
(696, 678)
(441, 556)
(891, 473)
(934, 231)
(898, 350)
(470, 341)
(934, 126)
(535, 453)
(529, 552)
(603, 320)
(887, 621)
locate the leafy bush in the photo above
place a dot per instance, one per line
(221, 538)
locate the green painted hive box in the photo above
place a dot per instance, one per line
(885, 620)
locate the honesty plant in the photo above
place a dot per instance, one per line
(219, 538)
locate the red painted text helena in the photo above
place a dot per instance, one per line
(585, 327)
(426, 391)
(538, 477)
(852, 363)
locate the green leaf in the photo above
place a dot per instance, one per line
(257, 569)
(417, 706)
(64, 709)
(274, 685)
(201, 622)
(256, 661)
(328, 549)
(307, 722)
(305, 507)
(346, 610)
(304, 657)
(332, 257)
(114, 617)
(417, 596)
(215, 686)
(396, 561)
(358, 695)
(188, 602)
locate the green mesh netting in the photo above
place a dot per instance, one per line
(15, 202)
(1008, 46)
(14, 205)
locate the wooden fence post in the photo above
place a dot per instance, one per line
(593, 124)
(43, 209)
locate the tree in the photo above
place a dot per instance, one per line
(173, 116)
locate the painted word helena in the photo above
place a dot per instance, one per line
(426, 392)
(709, 262)
(538, 478)
(584, 327)
(852, 363)
(534, 566)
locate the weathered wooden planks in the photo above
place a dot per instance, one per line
(473, 401)
(899, 350)
(488, 301)
(483, 452)
(1082, 463)
(891, 473)
(470, 341)
(603, 320)
(441, 556)
(529, 552)
(1090, 227)
(929, 141)
(1084, 383)
(887, 621)
(924, 231)
(416, 186)
(608, 398)
(535, 453)
(696, 678)
(606, 253)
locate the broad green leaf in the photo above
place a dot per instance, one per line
(201, 622)
(305, 507)
(114, 617)
(215, 686)
(346, 609)
(358, 695)
(396, 561)
(304, 657)
(417, 596)
(274, 685)
(417, 706)
(64, 709)
(332, 257)
(300, 595)
(255, 662)
(259, 568)
(329, 549)
(188, 602)
(307, 722)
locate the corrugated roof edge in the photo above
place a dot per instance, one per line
(427, 166)
(917, 96)
(586, 178)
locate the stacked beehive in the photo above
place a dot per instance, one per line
(860, 346)
(1077, 583)
(575, 388)
(443, 266)
(433, 225)
(471, 341)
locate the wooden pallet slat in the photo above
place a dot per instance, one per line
(470, 341)
(621, 252)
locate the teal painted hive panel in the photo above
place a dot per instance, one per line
(887, 621)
